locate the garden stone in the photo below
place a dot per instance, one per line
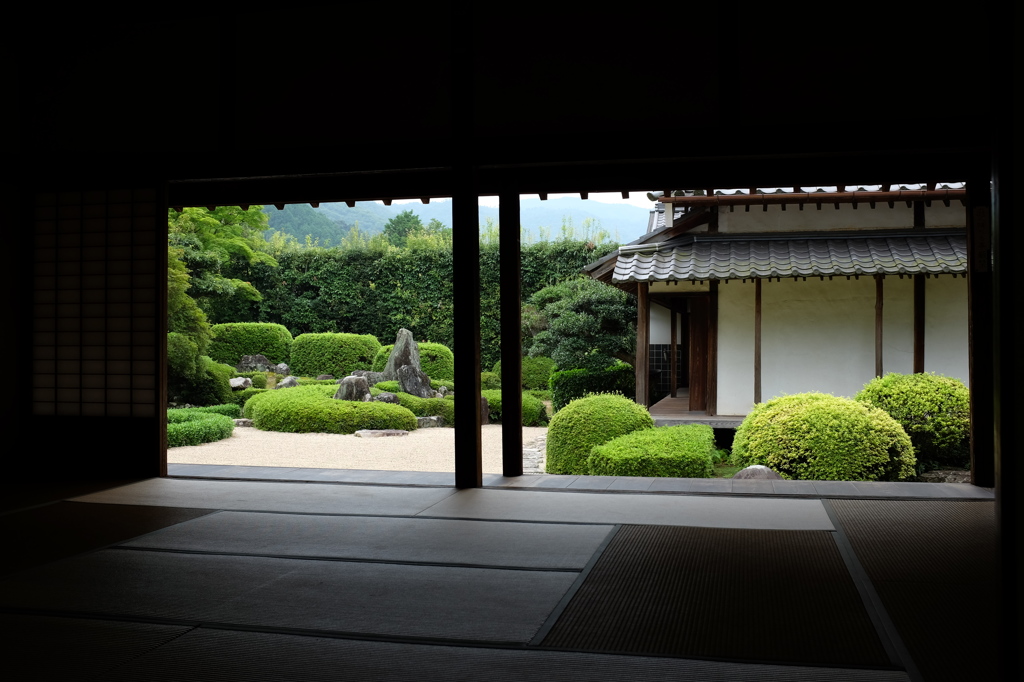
(238, 383)
(756, 471)
(254, 363)
(281, 368)
(287, 382)
(324, 377)
(243, 422)
(442, 392)
(429, 422)
(413, 381)
(380, 433)
(406, 352)
(353, 388)
(386, 397)
(372, 378)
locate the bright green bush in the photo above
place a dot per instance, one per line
(576, 383)
(586, 422)
(211, 386)
(490, 381)
(536, 372)
(437, 361)
(232, 341)
(197, 425)
(678, 451)
(934, 410)
(313, 409)
(534, 412)
(393, 386)
(259, 379)
(240, 397)
(337, 354)
(815, 436)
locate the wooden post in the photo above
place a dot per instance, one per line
(712, 370)
(879, 299)
(674, 352)
(980, 335)
(511, 335)
(466, 303)
(643, 344)
(757, 340)
(918, 324)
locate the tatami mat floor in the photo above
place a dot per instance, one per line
(181, 578)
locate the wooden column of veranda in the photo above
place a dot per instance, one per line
(511, 335)
(643, 347)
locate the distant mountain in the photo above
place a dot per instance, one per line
(540, 219)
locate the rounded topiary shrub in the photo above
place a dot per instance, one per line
(336, 354)
(436, 360)
(815, 436)
(233, 340)
(211, 385)
(195, 426)
(576, 383)
(313, 409)
(586, 422)
(678, 451)
(934, 410)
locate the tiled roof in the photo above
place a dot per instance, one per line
(721, 257)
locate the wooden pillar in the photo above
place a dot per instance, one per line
(643, 343)
(511, 335)
(879, 300)
(466, 256)
(980, 337)
(757, 340)
(673, 350)
(919, 224)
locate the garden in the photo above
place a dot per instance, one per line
(231, 291)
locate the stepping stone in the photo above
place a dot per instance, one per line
(380, 433)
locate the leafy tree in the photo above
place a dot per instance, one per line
(589, 325)
(398, 229)
(214, 245)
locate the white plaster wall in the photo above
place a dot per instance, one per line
(661, 324)
(898, 325)
(817, 336)
(736, 347)
(830, 218)
(945, 327)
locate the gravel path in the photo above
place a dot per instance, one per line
(421, 450)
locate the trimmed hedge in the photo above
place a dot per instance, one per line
(815, 436)
(571, 384)
(241, 397)
(233, 340)
(198, 425)
(536, 372)
(424, 407)
(394, 387)
(534, 412)
(436, 360)
(590, 421)
(678, 451)
(337, 354)
(490, 381)
(313, 409)
(934, 410)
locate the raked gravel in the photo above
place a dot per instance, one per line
(422, 450)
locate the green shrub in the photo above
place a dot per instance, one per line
(534, 412)
(576, 383)
(679, 451)
(313, 409)
(259, 379)
(536, 372)
(490, 381)
(197, 425)
(586, 422)
(934, 410)
(232, 341)
(211, 386)
(436, 360)
(337, 354)
(815, 436)
(240, 397)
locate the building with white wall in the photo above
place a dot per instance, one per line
(758, 294)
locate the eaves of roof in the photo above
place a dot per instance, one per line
(725, 257)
